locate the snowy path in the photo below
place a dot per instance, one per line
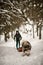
(10, 56)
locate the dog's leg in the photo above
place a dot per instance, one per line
(27, 52)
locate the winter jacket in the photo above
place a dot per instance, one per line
(18, 37)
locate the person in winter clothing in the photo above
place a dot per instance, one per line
(18, 37)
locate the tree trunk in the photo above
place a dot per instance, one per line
(37, 30)
(40, 32)
(0, 37)
(12, 34)
(33, 31)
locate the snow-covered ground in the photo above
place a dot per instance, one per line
(10, 56)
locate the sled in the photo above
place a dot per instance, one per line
(19, 49)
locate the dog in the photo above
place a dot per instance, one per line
(26, 48)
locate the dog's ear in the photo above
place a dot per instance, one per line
(28, 42)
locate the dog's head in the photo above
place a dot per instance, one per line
(26, 45)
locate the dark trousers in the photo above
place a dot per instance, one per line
(17, 43)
